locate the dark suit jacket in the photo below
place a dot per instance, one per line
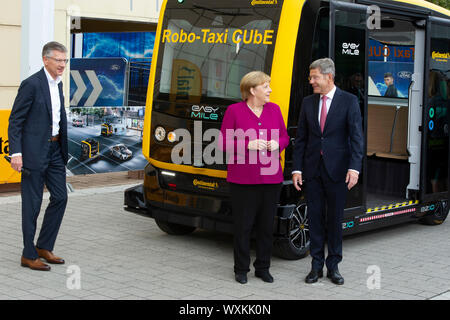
(30, 122)
(391, 91)
(342, 141)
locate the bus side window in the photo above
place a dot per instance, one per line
(436, 120)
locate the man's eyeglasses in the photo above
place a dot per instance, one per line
(59, 60)
(315, 78)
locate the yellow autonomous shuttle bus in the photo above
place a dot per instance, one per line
(393, 55)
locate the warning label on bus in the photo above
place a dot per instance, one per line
(208, 36)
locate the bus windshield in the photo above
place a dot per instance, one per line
(204, 53)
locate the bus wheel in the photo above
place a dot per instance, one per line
(174, 228)
(438, 216)
(296, 246)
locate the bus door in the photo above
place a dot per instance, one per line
(435, 140)
(348, 48)
(396, 64)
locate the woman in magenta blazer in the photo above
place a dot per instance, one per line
(253, 134)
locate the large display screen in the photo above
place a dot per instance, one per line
(390, 69)
(128, 45)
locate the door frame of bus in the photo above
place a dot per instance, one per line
(415, 120)
(431, 20)
(361, 9)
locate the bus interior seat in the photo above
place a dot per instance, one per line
(387, 131)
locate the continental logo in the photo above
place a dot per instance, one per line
(256, 2)
(205, 185)
(253, 36)
(440, 56)
(393, 206)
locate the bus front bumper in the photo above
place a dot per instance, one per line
(134, 201)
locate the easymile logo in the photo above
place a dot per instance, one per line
(350, 48)
(204, 112)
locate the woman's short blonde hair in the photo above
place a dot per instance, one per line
(251, 80)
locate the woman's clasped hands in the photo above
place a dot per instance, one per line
(260, 144)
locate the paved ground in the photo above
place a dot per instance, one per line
(114, 254)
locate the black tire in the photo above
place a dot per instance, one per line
(297, 245)
(438, 216)
(174, 228)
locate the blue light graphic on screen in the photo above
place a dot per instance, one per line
(110, 73)
(129, 45)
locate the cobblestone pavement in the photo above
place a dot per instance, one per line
(114, 254)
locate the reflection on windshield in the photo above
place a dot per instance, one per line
(437, 115)
(208, 56)
(210, 68)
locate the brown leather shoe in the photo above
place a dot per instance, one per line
(49, 256)
(34, 264)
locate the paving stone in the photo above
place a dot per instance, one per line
(126, 256)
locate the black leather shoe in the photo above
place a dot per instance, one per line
(241, 278)
(335, 277)
(313, 276)
(264, 275)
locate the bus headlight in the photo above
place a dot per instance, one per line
(160, 133)
(171, 136)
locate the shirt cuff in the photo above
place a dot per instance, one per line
(354, 171)
(16, 154)
(296, 171)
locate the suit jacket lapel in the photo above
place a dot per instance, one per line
(316, 113)
(61, 96)
(46, 91)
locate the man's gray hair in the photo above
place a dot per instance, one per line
(53, 45)
(325, 65)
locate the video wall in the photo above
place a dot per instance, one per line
(105, 131)
(128, 45)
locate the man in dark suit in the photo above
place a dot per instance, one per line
(328, 154)
(38, 142)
